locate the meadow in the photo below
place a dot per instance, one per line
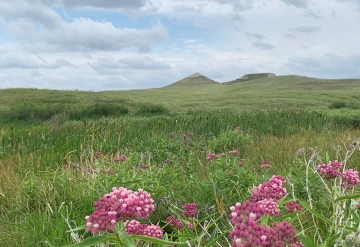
(60, 151)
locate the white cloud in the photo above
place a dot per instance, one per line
(21, 61)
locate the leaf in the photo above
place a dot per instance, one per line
(318, 215)
(126, 239)
(77, 228)
(153, 240)
(93, 241)
(352, 196)
(216, 239)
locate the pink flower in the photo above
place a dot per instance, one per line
(331, 170)
(212, 156)
(234, 152)
(175, 222)
(240, 164)
(248, 230)
(271, 189)
(265, 166)
(134, 227)
(189, 209)
(270, 206)
(350, 178)
(120, 158)
(292, 207)
(144, 166)
(119, 205)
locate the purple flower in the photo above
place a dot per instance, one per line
(271, 189)
(212, 156)
(234, 152)
(270, 206)
(292, 207)
(119, 205)
(189, 209)
(350, 178)
(175, 222)
(331, 170)
(120, 158)
(136, 228)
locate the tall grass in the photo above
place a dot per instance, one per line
(47, 169)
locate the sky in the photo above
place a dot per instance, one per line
(98, 45)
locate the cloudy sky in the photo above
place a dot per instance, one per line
(126, 44)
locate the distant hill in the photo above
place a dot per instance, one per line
(249, 77)
(197, 92)
(195, 79)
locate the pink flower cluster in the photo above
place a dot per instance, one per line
(135, 227)
(265, 164)
(270, 206)
(120, 158)
(119, 205)
(292, 207)
(234, 152)
(271, 189)
(331, 170)
(350, 178)
(175, 222)
(212, 156)
(189, 209)
(247, 231)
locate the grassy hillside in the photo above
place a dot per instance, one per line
(249, 77)
(193, 80)
(200, 93)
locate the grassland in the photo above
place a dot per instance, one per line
(58, 152)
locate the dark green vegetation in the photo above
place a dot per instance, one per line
(57, 148)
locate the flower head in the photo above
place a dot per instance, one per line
(331, 170)
(119, 205)
(350, 178)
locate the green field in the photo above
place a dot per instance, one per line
(59, 150)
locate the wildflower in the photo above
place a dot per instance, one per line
(270, 206)
(292, 207)
(248, 231)
(265, 164)
(212, 156)
(119, 205)
(234, 152)
(175, 222)
(120, 158)
(190, 134)
(171, 134)
(135, 227)
(350, 178)
(144, 166)
(283, 234)
(271, 189)
(189, 209)
(331, 170)
(228, 172)
(240, 164)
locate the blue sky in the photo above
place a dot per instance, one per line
(115, 45)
